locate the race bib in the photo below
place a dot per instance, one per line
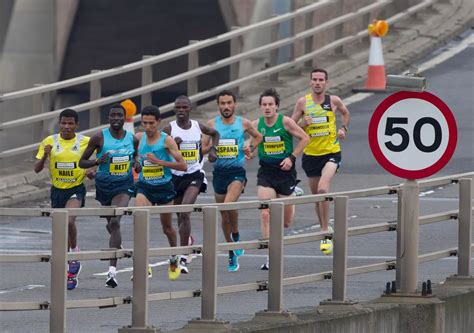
(119, 165)
(273, 145)
(65, 172)
(319, 127)
(190, 152)
(227, 148)
(152, 171)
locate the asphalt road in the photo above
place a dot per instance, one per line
(452, 81)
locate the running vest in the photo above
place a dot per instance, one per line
(190, 147)
(119, 164)
(154, 174)
(64, 160)
(231, 142)
(277, 142)
(322, 132)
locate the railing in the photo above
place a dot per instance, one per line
(43, 93)
(406, 264)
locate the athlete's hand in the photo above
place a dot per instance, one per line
(286, 164)
(103, 159)
(248, 152)
(90, 173)
(137, 166)
(178, 140)
(341, 134)
(150, 157)
(308, 120)
(212, 155)
(47, 150)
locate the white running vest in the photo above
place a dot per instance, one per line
(190, 148)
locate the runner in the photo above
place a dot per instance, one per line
(67, 191)
(188, 184)
(276, 177)
(158, 154)
(115, 151)
(322, 156)
(229, 177)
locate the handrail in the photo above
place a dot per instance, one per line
(165, 56)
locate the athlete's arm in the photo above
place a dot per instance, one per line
(39, 164)
(172, 147)
(95, 144)
(255, 125)
(296, 132)
(212, 154)
(254, 142)
(345, 115)
(206, 143)
(298, 112)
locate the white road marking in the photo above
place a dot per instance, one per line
(27, 287)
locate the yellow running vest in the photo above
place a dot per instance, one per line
(64, 160)
(322, 132)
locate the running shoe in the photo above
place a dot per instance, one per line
(233, 263)
(189, 257)
(72, 281)
(150, 273)
(298, 191)
(74, 267)
(174, 271)
(111, 281)
(326, 245)
(238, 252)
(266, 265)
(183, 262)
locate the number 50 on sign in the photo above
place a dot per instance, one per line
(412, 135)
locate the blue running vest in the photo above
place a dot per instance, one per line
(154, 174)
(229, 149)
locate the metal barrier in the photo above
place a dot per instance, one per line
(406, 264)
(42, 93)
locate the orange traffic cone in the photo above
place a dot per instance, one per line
(130, 111)
(376, 71)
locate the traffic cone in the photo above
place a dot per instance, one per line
(376, 70)
(130, 111)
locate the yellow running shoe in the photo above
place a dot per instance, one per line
(326, 245)
(174, 270)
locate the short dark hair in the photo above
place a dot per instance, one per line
(183, 97)
(272, 93)
(226, 93)
(319, 70)
(69, 113)
(118, 106)
(151, 110)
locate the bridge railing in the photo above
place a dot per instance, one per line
(42, 94)
(406, 273)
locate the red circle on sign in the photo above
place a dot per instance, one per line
(382, 159)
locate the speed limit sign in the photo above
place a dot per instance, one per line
(412, 135)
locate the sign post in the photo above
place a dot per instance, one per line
(412, 135)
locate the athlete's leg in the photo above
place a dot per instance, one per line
(230, 218)
(313, 185)
(167, 225)
(265, 193)
(115, 241)
(72, 230)
(324, 185)
(289, 212)
(184, 219)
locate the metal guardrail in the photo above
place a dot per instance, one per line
(237, 55)
(209, 291)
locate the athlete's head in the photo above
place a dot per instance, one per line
(182, 107)
(116, 117)
(319, 79)
(226, 102)
(151, 118)
(269, 102)
(68, 123)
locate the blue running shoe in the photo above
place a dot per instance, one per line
(233, 263)
(72, 282)
(238, 252)
(74, 267)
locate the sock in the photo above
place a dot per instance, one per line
(235, 236)
(76, 249)
(112, 270)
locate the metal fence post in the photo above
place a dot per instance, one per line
(193, 62)
(275, 251)
(409, 257)
(209, 264)
(339, 276)
(274, 53)
(465, 227)
(308, 42)
(292, 22)
(235, 48)
(398, 266)
(147, 78)
(141, 238)
(339, 29)
(41, 104)
(95, 93)
(57, 314)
